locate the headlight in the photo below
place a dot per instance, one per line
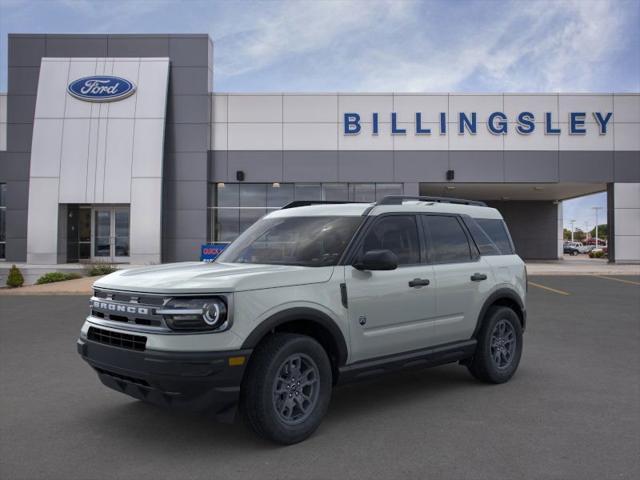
(196, 314)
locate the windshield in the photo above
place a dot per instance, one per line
(304, 241)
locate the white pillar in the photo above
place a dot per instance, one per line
(560, 236)
(626, 222)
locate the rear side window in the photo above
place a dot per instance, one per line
(484, 243)
(448, 242)
(497, 231)
(397, 233)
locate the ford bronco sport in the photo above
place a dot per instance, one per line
(313, 295)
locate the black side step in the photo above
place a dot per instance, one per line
(427, 357)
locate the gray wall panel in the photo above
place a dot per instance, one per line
(187, 137)
(138, 46)
(185, 195)
(218, 166)
(17, 195)
(188, 109)
(258, 166)
(76, 46)
(626, 166)
(533, 226)
(15, 167)
(310, 166)
(16, 223)
(188, 80)
(182, 249)
(185, 166)
(17, 247)
(185, 223)
(26, 50)
(428, 166)
(477, 166)
(527, 166)
(23, 80)
(189, 51)
(22, 108)
(365, 166)
(19, 137)
(586, 166)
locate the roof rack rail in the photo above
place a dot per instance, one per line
(398, 199)
(306, 203)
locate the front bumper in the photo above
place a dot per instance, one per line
(197, 381)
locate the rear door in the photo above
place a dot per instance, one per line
(391, 311)
(462, 278)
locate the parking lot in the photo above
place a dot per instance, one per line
(571, 411)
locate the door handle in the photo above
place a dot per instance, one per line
(419, 282)
(477, 277)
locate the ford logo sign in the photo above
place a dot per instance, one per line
(102, 88)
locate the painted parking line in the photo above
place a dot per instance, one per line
(631, 282)
(554, 290)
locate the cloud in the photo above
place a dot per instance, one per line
(411, 46)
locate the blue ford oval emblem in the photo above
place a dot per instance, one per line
(101, 88)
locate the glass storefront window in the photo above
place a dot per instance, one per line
(308, 191)
(279, 194)
(385, 189)
(362, 192)
(234, 207)
(335, 192)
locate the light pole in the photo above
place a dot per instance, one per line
(572, 222)
(596, 210)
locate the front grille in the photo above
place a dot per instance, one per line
(131, 308)
(117, 339)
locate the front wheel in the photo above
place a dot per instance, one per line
(499, 346)
(287, 388)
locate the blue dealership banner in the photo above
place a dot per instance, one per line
(210, 251)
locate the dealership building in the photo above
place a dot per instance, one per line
(117, 148)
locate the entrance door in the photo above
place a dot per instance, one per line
(111, 234)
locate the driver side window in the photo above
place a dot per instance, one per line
(398, 233)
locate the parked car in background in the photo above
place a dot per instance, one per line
(573, 248)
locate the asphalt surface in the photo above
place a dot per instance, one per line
(571, 411)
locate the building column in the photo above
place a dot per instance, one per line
(623, 208)
(560, 237)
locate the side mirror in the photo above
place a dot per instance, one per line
(377, 260)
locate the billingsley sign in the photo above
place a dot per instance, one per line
(497, 123)
(101, 88)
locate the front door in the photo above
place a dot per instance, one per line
(110, 234)
(391, 311)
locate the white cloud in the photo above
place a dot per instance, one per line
(382, 46)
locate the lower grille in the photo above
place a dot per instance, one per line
(117, 339)
(117, 376)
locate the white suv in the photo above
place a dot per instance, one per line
(310, 296)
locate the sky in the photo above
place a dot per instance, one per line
(377, 45)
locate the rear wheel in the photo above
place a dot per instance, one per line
(287, 388)
(499, 346)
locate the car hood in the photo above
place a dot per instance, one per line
(200, 277)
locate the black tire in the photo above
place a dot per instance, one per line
(574, 253)
(270, 362)
(489, 364)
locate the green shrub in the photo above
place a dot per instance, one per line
(596, 254)
(15, 278)
(100, 269)
(52, 277)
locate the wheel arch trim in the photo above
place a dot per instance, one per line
(306, 314)
(500, 294)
